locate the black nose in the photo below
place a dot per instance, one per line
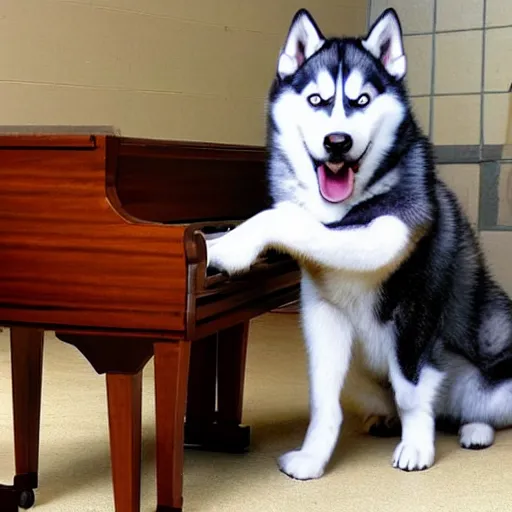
(338, 143)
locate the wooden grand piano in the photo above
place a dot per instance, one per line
(102, 240)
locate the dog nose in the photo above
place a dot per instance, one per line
(338, 143)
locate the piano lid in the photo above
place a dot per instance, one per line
(156, 180)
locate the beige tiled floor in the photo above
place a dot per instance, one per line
(75, 472)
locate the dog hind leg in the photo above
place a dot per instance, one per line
(371, 401)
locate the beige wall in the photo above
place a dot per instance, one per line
(178, 69)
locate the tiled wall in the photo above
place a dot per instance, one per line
(459, 55)
(179, 69)
(459, 72)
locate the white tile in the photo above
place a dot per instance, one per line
(421, 109)
(418, 50)
(458, 62)
(497, 118)
(498, 59)
(498, 12)
(497, 247)
(464, 180)
(459, 14)
(456, 120)
(415, 15)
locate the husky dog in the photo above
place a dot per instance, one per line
(399, 311)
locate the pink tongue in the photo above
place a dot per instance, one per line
(336, 187)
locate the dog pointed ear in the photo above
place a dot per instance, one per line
(384, 41)
(304, 39)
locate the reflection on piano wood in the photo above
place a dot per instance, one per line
(103, 241)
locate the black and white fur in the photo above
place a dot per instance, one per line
(399, 311)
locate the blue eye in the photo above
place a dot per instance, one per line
(362, 101)
(315, 100)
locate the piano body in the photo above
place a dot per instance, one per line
(102, 240)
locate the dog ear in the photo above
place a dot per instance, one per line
(384, 41)
(303, 40)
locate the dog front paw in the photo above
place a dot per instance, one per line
(230, 254)
(301, 466)
(413, 457)
(475, 436)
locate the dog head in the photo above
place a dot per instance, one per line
(335, 107)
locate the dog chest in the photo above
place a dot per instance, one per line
(356, 298)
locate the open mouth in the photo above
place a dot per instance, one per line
(336, 179)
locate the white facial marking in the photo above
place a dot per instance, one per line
(326, 86)
(338, 114)
(310, 89)
(323, 88)
(354, 85)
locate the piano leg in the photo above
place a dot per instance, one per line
(232, 356)
(26, 366)
(122, 359)
(217, 373)
(124, 411)
(171, 381)
(202, 392)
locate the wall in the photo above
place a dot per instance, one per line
(459, 73)
(196, 70)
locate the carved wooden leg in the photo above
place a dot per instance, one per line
(124, 411)
(26, 366)
(171, 380)
(123, 360)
